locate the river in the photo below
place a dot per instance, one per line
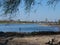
(26, 28)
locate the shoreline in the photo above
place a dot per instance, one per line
(31, 40)
(14, 38)
(34, 23)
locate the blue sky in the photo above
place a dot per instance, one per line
(42, 12)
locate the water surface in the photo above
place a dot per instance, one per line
(26, 28)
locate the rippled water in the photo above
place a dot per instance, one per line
(26, 28)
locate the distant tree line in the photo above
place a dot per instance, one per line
(59, 21)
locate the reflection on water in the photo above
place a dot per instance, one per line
(26, 27)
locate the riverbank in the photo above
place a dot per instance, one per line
(34, 38)
(27, 22)
(28, 34)
(31, 40)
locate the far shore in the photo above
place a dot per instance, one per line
(57, 25)
(30, 22)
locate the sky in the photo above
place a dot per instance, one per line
(37, 13)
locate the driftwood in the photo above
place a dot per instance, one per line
(53, 42)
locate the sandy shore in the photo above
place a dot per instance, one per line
(36, 40)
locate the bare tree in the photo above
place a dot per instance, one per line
(11, 6)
